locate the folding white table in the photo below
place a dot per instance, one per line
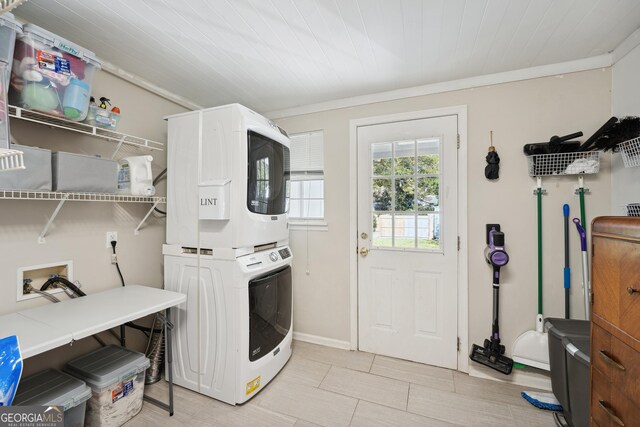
(53, 325)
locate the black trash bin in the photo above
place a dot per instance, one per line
(578, 364)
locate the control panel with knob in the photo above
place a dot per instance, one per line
(273, 256)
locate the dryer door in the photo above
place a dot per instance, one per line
(269, 311)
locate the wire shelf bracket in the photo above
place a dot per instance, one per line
(137, 230)
(62, 198)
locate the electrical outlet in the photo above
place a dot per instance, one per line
(111, 236)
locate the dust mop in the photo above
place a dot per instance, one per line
(532, 347)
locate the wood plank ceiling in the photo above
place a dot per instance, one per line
(275, 54)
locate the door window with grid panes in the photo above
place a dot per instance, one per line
(306, 196)
(405, 186)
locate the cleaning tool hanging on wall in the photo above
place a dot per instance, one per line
(585, 268)
(532, 347)
(587, 145)
(492, 170)
(491, 354)
(556, 144)
(567, 268)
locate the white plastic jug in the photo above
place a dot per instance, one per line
(135, 176)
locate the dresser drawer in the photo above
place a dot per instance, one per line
(609, 408)
(618, 363)
(616, 283)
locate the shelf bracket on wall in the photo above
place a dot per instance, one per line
(41, 237)
(137, 230)
(113, 156)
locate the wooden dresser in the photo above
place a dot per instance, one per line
(615, 326)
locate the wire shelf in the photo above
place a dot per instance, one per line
(83, 128)
(579, 163)
(630, 151)
(10, 160)
(7, 5)
(78, 197)
(633, 209)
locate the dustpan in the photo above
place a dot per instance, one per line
(532, 347)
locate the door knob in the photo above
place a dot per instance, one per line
(632, 291)
(364, 251)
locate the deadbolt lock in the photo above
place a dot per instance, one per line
(364, 235)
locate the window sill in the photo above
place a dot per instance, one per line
(309, 224)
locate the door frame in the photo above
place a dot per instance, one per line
(463, 276)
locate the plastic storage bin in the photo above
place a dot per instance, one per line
(559, 329)
(55, 388)
(578, 363)
(9, 27)
(37, 175)
(84, 174)
(116, 378)
(51, 74)
(107, 119)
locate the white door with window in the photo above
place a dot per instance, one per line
(408, 239)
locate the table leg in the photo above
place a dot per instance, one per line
(169, 352)
(168, 328)
(123, 340)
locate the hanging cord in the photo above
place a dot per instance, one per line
(131, 325)
(155, 181)
(52, 281)
(115, 256)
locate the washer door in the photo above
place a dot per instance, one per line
(269, 311)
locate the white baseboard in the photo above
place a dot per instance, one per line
(327, 342)
(527, 377)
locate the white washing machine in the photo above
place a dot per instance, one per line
(234, 332)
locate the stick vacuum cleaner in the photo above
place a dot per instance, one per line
(492, 353)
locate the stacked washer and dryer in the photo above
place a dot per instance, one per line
(227, 250)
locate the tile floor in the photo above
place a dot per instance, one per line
(330, 387)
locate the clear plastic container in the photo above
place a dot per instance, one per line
(116, 377)
(51, 74)
(55, 388)
(9, 28)
(102, 118)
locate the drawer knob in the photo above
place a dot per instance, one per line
(633, 291)
(604, 356)
(610, 413)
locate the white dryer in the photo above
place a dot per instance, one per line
(234, 331)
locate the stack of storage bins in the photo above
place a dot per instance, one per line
(51, 74)
(116, 377)
(9, 27)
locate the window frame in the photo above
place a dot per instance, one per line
(308, 223)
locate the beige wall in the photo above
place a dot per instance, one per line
(78, 232)
(518, 113)
(625, 102)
